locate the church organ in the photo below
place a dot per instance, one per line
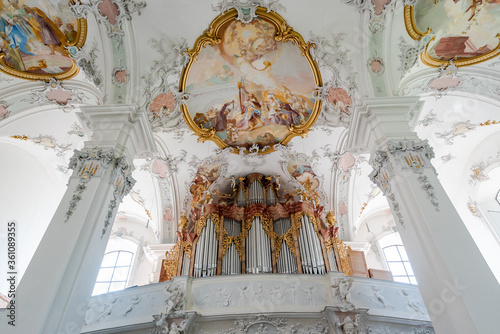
(256, 230)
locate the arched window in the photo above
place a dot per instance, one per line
(117, 266)
(396, 259)
(399, 264)
(114, 272)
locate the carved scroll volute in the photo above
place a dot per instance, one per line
(185, 242)
(342, 256)
(170, 263)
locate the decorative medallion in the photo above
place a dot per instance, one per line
(465, 31)
(250, 83)
(37, 39)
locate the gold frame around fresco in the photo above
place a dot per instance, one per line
(414, 33)
(73, 70)
(284, 33)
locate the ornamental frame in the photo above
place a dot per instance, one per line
(411, 28)
(71, 72)
(211, 37)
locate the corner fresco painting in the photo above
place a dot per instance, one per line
(302, 171)
(251, 88)
(205, 176)
(464, 31)
(35, 37)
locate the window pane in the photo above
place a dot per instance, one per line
(397, 268)
(409, 270)
(124, 259)
(413, 280)
(109, 259)
(104, 274)
(401, 279)
(391, 254)
(120, 274)
(402, 252)
(115, 286)
(100, 288)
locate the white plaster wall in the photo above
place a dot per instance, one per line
(135, 230)
(29, 195)
(371, 228)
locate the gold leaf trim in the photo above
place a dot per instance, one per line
(202, 222)
(411, 26)
(171, 261)
(70, 73)
(342, 249)
(427, 59)
(285, 33)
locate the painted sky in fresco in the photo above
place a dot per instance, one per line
(463, 28)
(34, 35)
(250, 87)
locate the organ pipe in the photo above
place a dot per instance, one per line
(258, 230)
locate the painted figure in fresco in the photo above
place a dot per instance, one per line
(298, 170)
(31, 38)
(220, 123)
(71, 33)
(15, 37)
(250, 109)
(50, 35)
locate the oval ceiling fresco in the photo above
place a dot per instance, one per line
(464, 31)
(35, 37)
(250, 83)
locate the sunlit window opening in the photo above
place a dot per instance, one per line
(399, 264)
(114, 272)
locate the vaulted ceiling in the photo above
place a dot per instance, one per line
(133, 54)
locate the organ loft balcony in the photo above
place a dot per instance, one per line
(261, 259)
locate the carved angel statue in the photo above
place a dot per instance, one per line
(342, 289)
(233, 182)
(349, 325)
(174, 303)
(174, 329)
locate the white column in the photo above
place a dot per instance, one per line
(52, 296)
(459, 289)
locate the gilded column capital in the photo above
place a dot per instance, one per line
(87, 164)
(413, 154)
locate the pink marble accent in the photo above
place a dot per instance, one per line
(160, 168)
(121, 76)
(59, 95)
(168, 216)
(3, 111)
(163, 102)
(376, 66)
(339, 98)
(379, 5)
(342, 208)
(346, 162)
(109, 10)
(444, 83)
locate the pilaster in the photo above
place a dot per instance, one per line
(52, 296)
(458, 287)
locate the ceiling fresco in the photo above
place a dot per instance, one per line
(253, 83)
(464, 31)
(37, 38)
